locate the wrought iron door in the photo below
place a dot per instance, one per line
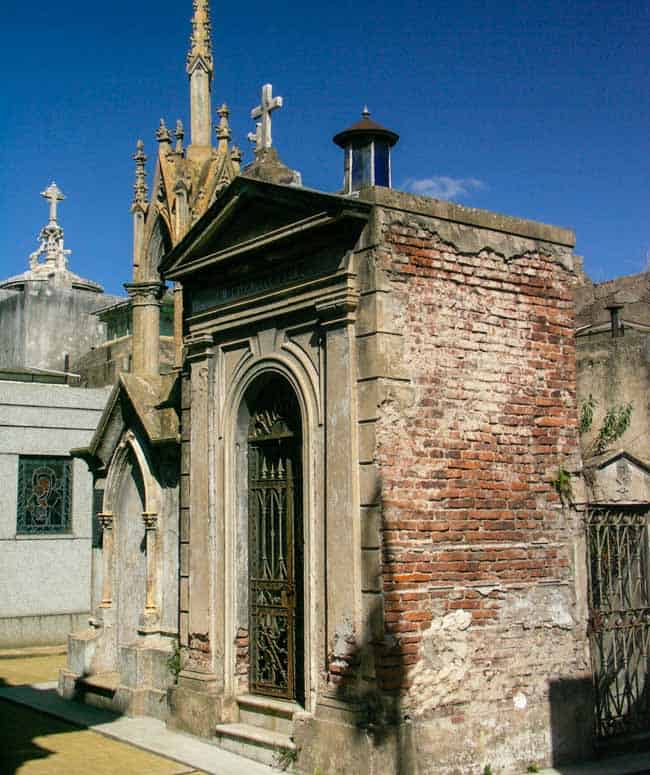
(274, 533)
(619, 620)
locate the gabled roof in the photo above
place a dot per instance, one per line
(250, 214)
(154, 403)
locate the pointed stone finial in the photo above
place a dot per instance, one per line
(200, 53)
(235, 157)
(269, 103)
(223, 127)
(140, 186)
(163, 135)
(180, 134)
(365, 112)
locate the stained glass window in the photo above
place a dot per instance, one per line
(44, 494)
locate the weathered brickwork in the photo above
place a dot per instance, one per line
(478, 567)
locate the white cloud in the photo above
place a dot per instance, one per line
(443, 186)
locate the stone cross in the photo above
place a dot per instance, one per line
(269, 103)
(256, 137)
(54, 194)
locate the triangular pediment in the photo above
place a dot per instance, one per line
(618, 477)
(249, 215)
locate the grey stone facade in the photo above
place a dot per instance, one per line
(45, 579)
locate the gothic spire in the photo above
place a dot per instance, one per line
(201, 38)
(200, 70)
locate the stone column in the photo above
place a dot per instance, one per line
(145, 303)
(106, 522)
(343, 563)
(151, 612)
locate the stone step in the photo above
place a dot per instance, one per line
(267, 713)
(262, 745)
(97, 690)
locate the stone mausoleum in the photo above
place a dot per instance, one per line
(332, 536)
(47, 531)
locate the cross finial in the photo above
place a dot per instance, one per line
(54, 195)
(269, 103)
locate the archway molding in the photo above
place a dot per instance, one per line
(234, 422)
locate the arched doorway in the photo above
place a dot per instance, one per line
(275, 567)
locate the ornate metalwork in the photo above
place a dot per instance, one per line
(619, 619)
(273, 527)
(44, 494)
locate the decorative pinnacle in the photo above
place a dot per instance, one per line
(223, 128)
(365, 112)
(140, 187)
(51, 236)
(201, 38)
(163, 135)
(180, 134)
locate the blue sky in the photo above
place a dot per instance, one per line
(533, 109)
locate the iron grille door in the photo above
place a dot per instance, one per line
(619, 620)
(272, 585)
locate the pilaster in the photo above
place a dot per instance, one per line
(343, 557)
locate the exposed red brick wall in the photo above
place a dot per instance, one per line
(471, 520)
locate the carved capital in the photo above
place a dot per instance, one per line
(105, 520)
(145, 294)
(150, 519)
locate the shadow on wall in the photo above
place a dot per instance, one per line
(571, 704)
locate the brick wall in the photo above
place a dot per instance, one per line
(477, 557)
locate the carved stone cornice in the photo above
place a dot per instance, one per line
(198, 346)
(339, 309)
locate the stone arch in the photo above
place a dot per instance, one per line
(131, 508)
(130, 444)
(158, 243)
(235, 423)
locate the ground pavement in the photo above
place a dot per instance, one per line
(41, 734)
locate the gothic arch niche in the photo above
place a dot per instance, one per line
(269, 543)
(130, 564)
